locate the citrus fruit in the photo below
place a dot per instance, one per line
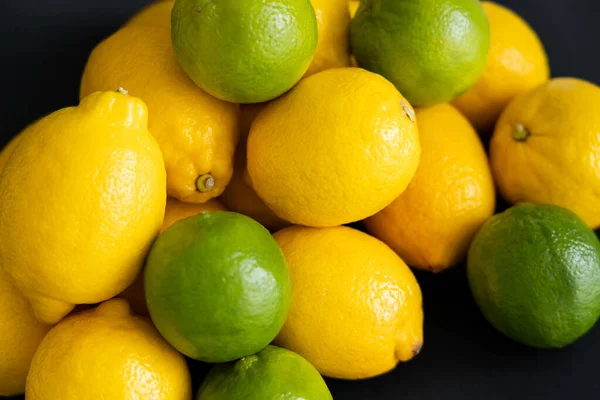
(534, 271)
(217, 286)
(7, 151)
(107, 353)
(337, 148)
(273, 373)
(546, 147)
(197, 133)
(356, 307)
(432, 223)
(516, 63)
(175, 211)
(333, 18)
(353, 7)
(97, 212)
(432, 50)
(244, 51)
(239, 195)
(156, 13)
(20, 335)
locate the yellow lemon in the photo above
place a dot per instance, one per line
(7, 151)
(546, 147)
(516, 63)
(333, 18)
(337, 148)
(20, 335)
(197, 133)
(239, 195)
(83, 197)
(353, 7)
(175, 211)
(356, 307)
(432, 223)
(107, 353)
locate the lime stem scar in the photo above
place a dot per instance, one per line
(520, 133)
(205, 183)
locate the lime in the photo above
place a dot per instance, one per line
(432, 50)
(244, 51)
(534, 272)
(274, 373)
(217, 286)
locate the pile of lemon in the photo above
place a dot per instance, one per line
(305, 116)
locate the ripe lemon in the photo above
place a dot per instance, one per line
(356, 307)
(244, 51)
(7, 151)
(239, 195)
(546, 147)
(432, 50)
(197, 133)
(107, 353)
(157, 13)
(337, 148)
(333, 18)
(175, 211)
(80, 211)
(516, 63)
(20, 335)
(353, 7)
(452, 194)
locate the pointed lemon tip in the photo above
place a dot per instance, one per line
(50, 311)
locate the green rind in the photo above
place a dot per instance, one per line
(431, 50)
(217, 286)
(244, 51)
(534, 272)
(272, 374)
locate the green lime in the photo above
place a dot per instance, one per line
(534, 272)
(432, 50)
(274, 373)
(217, 286)
(244, 51)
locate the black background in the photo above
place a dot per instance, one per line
(44, 45)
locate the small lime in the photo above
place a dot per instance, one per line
(217, 286)
(432, 50)
(244, 51)
(534, 272)
(274, 373)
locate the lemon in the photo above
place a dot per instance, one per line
(107, 353)
(338, 148)
(196, 132)
(244, 51)
(83, 196)
(356, 307)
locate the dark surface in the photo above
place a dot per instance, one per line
(44, 46)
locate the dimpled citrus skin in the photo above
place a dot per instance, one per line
(452, 194)
(273, 373)
(100, 182)
(20, 335)
(337, 148)
(175, 211)
(356, 307)
(558, 162)
(239, 195)
(217, 285)
(333, 18)
(432, 50)
(244, 51)
(197, 133)
(107, 353)
(517, 62)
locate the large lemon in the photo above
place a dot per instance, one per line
(83, 196)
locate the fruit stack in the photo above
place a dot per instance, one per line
(196, 204)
